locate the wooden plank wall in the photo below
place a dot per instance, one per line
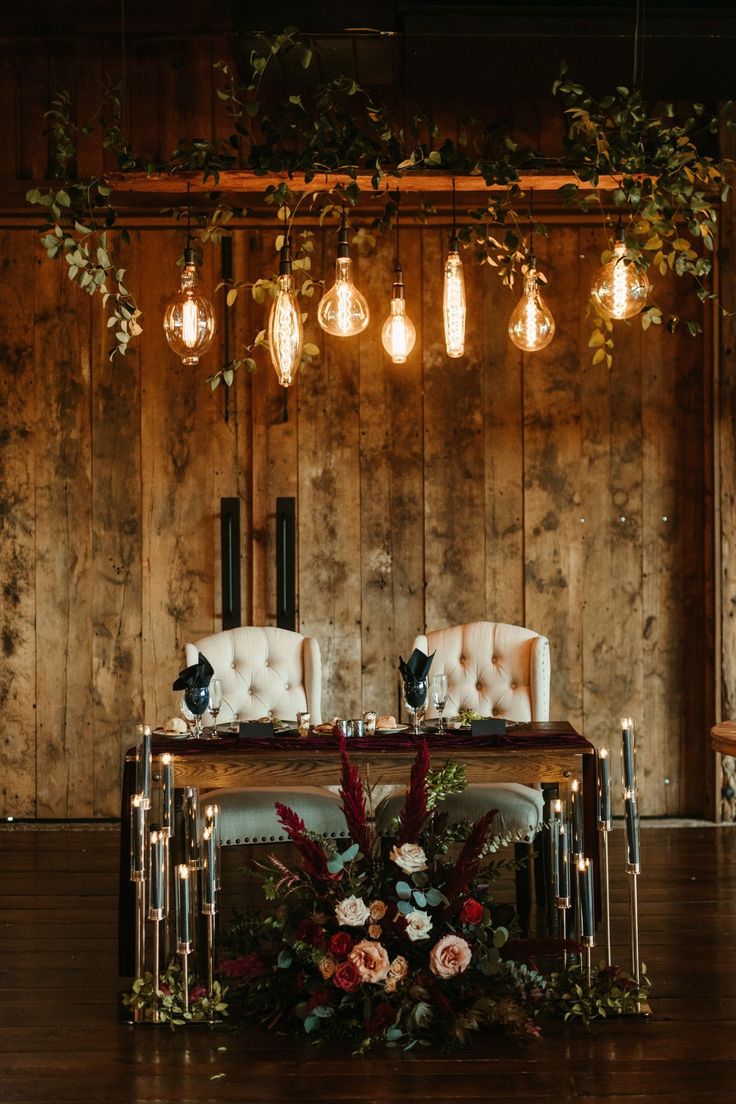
(533, 489)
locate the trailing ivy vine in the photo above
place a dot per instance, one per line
(669, 183)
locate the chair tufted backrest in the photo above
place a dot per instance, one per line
(264, 671)
(497, 670)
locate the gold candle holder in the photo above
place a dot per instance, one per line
(183, 927)
(604, 827)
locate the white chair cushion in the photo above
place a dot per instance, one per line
(520, 809)
(249, 816)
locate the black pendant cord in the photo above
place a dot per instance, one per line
(454, 243)
(398, 216)
(637, 76)
(532, 258)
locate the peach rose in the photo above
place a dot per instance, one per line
(352, 912)
(327, 967)
(451, 955)
(399, 967)
(390, 984)
(374, 931)
(370, 959)
(377, 910)
(409, 857)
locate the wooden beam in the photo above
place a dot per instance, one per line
(242, 180)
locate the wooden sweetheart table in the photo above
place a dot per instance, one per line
(549, 752)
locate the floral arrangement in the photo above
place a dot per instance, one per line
(395, 943)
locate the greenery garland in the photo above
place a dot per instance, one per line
(669, 184)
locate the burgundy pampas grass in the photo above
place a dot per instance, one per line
(353, 805)
(312, 853)
(414, 814)
(468, 861)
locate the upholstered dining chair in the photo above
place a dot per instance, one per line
(272, 672)
(502, 671)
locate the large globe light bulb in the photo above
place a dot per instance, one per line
(398, 334)
(453, 302)
(285, 330)
(531, 326)
(620, 290)
(189, 318)
(343, 310)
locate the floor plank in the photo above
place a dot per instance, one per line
(62, 1040)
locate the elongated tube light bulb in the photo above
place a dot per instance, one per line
(343, 310)
(453, 302)
(285, 330)
(620, 290)
(398, 334)
(189, 318)
(531, 326)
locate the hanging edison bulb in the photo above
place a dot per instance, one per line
(343, 310)
(531, 326)
(398, 334)
(285, 331)
(620, 289)
(453, 301)
(189, 318)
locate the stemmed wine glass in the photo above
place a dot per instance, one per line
(196, 699)
(215, 701)
(439, 698)
(415, 697)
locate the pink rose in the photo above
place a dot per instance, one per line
(450, 956)
(371, 960)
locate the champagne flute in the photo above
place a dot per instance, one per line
(439, 698)
(215, 701)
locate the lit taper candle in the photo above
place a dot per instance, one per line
(555, 813)
(167, 794)
(604, 790)
(210, 881)
(627, 753)
(137, 838)
(183, 906)
(578, 842)
(564, 860)
(156, 887)
(143, 764)
(586, 891)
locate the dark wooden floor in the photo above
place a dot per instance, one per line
(61, 1038)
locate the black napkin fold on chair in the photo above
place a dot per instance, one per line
(416, 667)
(196, 676)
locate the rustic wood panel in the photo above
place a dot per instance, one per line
(274, 431)
(116, 581)
(454, 456)
(503, 439)
(17, 523)
(329, 511)
(552, 461)
(63, 545)
(612, 476)
(381, 639)
(177, 484)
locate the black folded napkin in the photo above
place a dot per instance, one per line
(196, 676)
(416, 667)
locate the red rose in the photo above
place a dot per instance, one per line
(347, 977)
(471, 912)
(311, 933)
(340, 945)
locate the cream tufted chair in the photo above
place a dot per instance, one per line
(500, 671)
(264, 672)
(497, 670)
(268, 672)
